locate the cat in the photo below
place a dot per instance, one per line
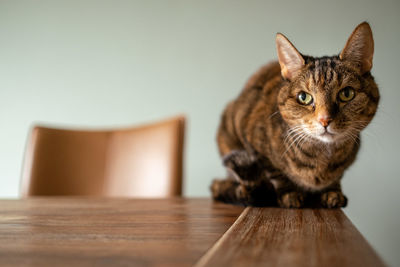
(289, 136)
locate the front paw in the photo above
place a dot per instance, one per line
(217, 188)
(230, 191)
(333, 199)
(291, 200)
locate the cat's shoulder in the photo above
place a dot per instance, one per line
(269, 71)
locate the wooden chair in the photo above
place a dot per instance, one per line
(135, 162)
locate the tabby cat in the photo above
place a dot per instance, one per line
(295, 128)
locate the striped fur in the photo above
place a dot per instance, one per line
(261, 150)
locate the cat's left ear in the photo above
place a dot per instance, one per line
(290, 59)
(360, 47)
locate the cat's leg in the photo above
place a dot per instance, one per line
(249, 194)
(248, 170)
(288, 194)
(230, 191)
(242, 165)
(245, 184)
(236, 189)
(333, 197)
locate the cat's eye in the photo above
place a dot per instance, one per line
(346, 94)
(304, 98)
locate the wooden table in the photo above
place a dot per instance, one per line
(57, 231)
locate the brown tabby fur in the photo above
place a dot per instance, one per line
(269, 162)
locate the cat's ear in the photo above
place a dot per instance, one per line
(290, 59)
(360, 47)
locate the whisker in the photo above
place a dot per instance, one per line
(293, 136)
(300, 141)
(305, 140)
(273, 114)
(287, 149)
(291, 131)
(355, 137)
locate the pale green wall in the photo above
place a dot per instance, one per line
(118, 63)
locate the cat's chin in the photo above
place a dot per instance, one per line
(327, 137)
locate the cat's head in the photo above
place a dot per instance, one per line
(330, 99)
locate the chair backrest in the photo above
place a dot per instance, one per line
(137, 162)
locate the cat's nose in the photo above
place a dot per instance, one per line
(324, 120)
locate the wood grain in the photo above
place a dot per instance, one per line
(57, 231)
(288, 237)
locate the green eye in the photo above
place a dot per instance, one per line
(346, 94)
(304, 98)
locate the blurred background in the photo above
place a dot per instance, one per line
(102, 64)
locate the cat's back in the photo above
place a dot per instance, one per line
(262, 84)
(265, 78)
(260, 89)
(259, 95)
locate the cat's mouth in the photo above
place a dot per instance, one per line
(327, 133)
(327, 136)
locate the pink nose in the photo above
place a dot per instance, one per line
(324, 120)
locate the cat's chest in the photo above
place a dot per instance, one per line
(315, 168)
(321, 157)
(313, 162)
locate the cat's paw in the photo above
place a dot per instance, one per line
(243, 195)
(333, 199)
(291, 200)
(217, 188)
(230, 191)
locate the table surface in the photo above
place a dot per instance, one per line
(75, 231)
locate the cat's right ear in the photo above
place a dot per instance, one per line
(289, 57)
